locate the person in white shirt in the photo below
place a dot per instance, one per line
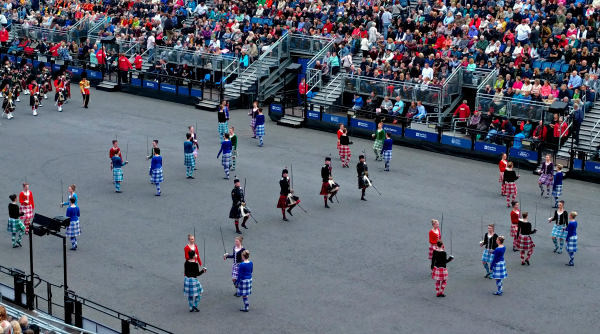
(201, 9)
(523, 30)
(150, 46)
(427, 72)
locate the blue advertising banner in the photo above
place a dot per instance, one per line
(276, 108)
(168, 88)
(429, 136)
(150, 84)
(94, 74)
(592, 166)
(184, 91)
(56, 67)
(523, 154)
(11, 58)
(136, 82)
(196, 92)
(362, 124)
(314, 115)
(18, 60)
(334, 119)
(577, 163)
(75, 70)
(394, 130)
(490, 148)
(455, 141)
(36, 63)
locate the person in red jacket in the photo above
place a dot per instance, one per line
(27, 206)
(464, 112)
(101, 56)
(561, 131)
(502, 167)
(303, 87)
(435, 234)
(138, 61)
(191, 246)
(124, 67)
(4, 36)
(515, 214)
(54, 50)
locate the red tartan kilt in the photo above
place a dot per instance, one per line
(439, 274)
(344, 151)
(501, 180)
(525, 243)
(513, 230)
(282, 203)
(338, 145)
(324, 188)
(511, 189)
(432, 247)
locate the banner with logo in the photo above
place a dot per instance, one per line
(311, 114)
(455, 141)
(56, 67)
(394, 130)
(136, 82)
(361, 124)
(591, 166)
(150, 84)
(276, 108)
(429, 136)
(183, 90)
(196, 92)
(168, 88)
(523, 154)
(94, 74)
(490, 148)
(75, 70)
(334, 119)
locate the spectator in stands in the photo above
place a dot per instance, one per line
(358, 102)
(398, 108)
(475, 121)
(386, 105)
(526, 128)
(303, 87)
(463, 111)
(16, 328)
(574, 81)
(24, 323)
(577, 116)
(421, 112)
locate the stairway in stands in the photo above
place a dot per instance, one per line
(332, 90)
(586, 135)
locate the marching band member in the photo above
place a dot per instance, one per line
(515, 215)
(117, 165)
(233, 138)
(546, 176)
(439, 272)
(244, 279)
(226, 150)
(188, 152)
(344, 148)
(34, 98)
(498, 265)
(191, 246)
(9, 106)
(434, 235)
(489, 242)
(572, 238)
(191, 285)
(363, 176)
(328, 187)
(502, 166)
(84, 87)
(559, 230)
(156, 170)
(386, 151)
(286, 197)
(238, 206)
(15, 225)
(237, 259)
(526, 244)
(27, 205)
(510, 176)
(557, 185)
(379, 138)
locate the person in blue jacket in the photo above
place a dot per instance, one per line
(572, 238)
(188, 152)
(226, 150)
(71, 194)
(498, 266)
(74, 229)
(244, 279)
(386, 150)
(557, 185)
(260, 126)
(358, 102)
(117, 164)
(156, 169)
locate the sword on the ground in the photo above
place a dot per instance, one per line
(292, 181)
(204, 239)
(251, 216)
(450, 242)
(62, 195)
(336, 199)
(482, 226)
(127, 150)
(442, 225)
(147, 146)
(374, 187)
(222, 240)
(535, 223)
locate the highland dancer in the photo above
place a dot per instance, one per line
(434, 235)
(223, 117)
(260, 126)
(191, 246)
(559, 231)
(286, 197)
(379, 138)
(192, 288)
(439, 272)
(510, 176)
(328, 187)
(526, 244)
(386, 151)
(237, 259)
(502, 166)
(188, 152)
(489, 242)
(27, 206)
(253, 113)
(244, 279)
(363, 176)
(340, 132)
(115, 150)
(117, 165)
(194, 141)
(515, 215)
(72, 193)
(572, 238)
(546, 177)
(226, 150)
(74, 228)
(152, 152)
(344, 149)
(15, 225)
(557, 184)
(156, 170)
(498, 265)
(233, 138)
(238, 206)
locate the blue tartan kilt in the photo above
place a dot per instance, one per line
(189, 160)
(557, 232)
(387, 155)
(226, 160)
(260, 130)
(557, 191)
(499, 270)
(191, 287)
(245, 287)
(223, 128)
(74, 229)
(234, 270)
(157, 175)
(117, 174)
(487, 256)
(571, 244)
(15, 225)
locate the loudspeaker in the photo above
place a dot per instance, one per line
(293, 68)
(108, 40)
(558, 107)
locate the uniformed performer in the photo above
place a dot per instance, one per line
(546, 176)
(502, 167)
(156, 170)
(9, 106)
(386, 150)
(117, 165)
(226, 150)
(253, 113)
(59, 96)
(340, 132)
(192, 288)
(489, 242)
(237, 259)
(510, 178)
(223, 117)
(27, 205)
(344, 148)
(74, 228)
(328, 187)
(559, 231)
(379, 138)
(34, 98)
(363, 176)
(154, 146)
(188, 153)
(244, 279)
(84, 87)
(238, 206)
(194, 141)
(234, 140)
(498, 265)
(557, 185)
(515, 215)
(439, 272)
(286, 195)
(572, 238)
(526, 244)
(15, 225)
(434, 235)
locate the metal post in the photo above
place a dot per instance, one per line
(30, 288)
(65, 263)
(125, 327)
(49, 295)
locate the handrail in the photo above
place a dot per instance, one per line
(596, 136)
(319, 55)
(493, 74)
(272, 46)
(34, 320)
(75, 26)
(336, 86)
(455, 121)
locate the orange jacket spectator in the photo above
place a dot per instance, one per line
(303, 87)
(3, 35)
(100, 56)
(463, 111)
(54, 50)
(124, 64)
(138, 61)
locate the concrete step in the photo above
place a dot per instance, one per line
(291, 121)
(107, 86)
(208, 105)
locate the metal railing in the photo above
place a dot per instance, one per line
(197, 58)
(40, 33)
(452, 85)
(474, 78)
(595, 136)
(314, 76)
(513, 108)
(309, 44)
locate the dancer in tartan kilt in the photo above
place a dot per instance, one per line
(154, 146)
(510, 176)
(386, 151)
(328, 187)
(27, 206)
(191, 246)
(117, 164)
(559, 231)
(286, 195)
(557, 185)
(237, 259)
(226, 159)
(253, 113)
(379, 138)
(191, 285)
(194, 141)
(74, 229)
(115, 150)
(223, 117)
(340, 132)
(72, 193)
(233, 138)
(434, 235)
(156, 170)
(439, 273)
(244, 279)
(489, 242)
(260, 126)
(344, 149)
(238, 206)
(502, 166)
(188, 153)
(515, 215)
(546, 176)
(15, 225)
(572, 238)
(526, 244)
(498, 265)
